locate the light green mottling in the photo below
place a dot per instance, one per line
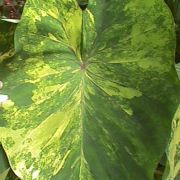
(113, 89)
(173, 150)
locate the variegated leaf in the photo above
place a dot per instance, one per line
(91, 93)
(173, 150)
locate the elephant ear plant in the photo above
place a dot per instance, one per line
(92, 91)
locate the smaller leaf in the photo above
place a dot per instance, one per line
(4, 174)
(178, 69)
(173, 150)
(1, 84)
(11, 20)
(4, 164)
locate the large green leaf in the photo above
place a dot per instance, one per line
(92, 93)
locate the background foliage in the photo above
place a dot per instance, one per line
(11, 9)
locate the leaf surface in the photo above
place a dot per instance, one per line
(173, 150)
(92, 93)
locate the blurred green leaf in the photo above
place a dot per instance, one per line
(4, 174)
(4, 164)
